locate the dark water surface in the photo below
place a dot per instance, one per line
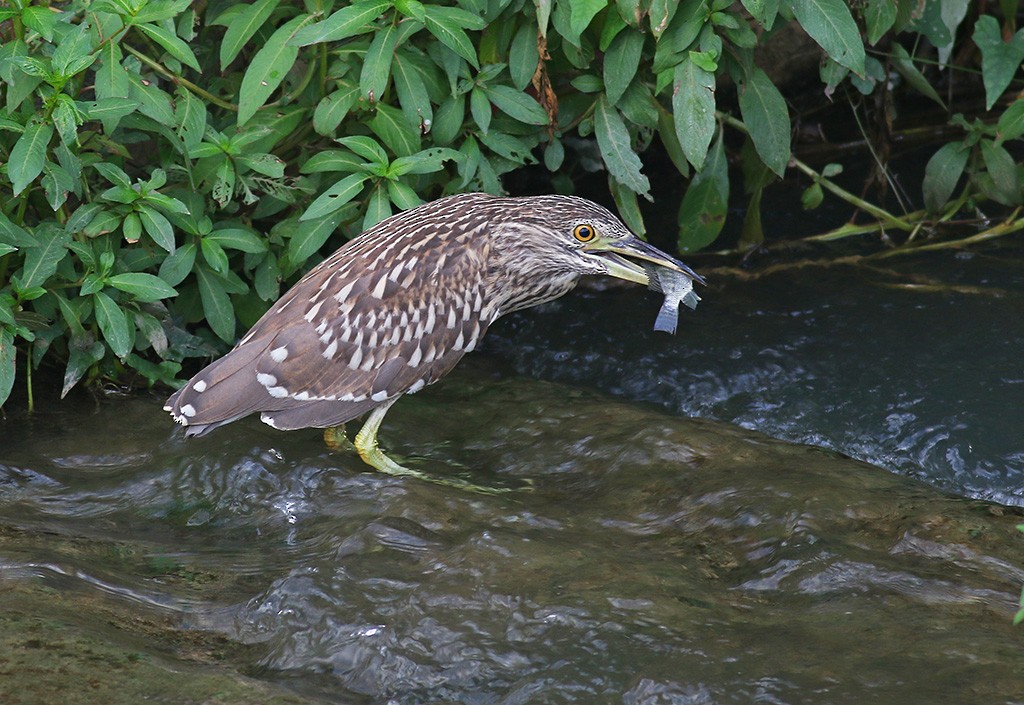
(657, 560)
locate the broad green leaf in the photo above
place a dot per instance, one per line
(238, 239)
(628, 207)
(337, 195)
(767, 118)
(621, 62)
(1003, 169)
(13, 234)
(905, 65)
(224, 183)
(143, 287)
(41, 261)
(942, 174)
(1011, 122)
(8, 364)
(29, 155)
(109, 111)
(704, 206)
(83, 353)
(812, 197)
(74, 52)
(157, 226)
(132, 228)
(425, 162)
(403, 196)
(448, 32)
(111, 78)
(516, 104)
(309, 235)
(242, 27)
(265, 164)
(693, 108)
(378, 207)
(347, 22)
(765, 11)
(113, 324)
(266, 71)
(661, 14)
(332, 109)
(373, 80)
(523, 56)
(830, 24)
(394, 131)
(333, 160)
(580, 16)
(879, 16)
(999, 60)
(153, 102)
(190, 117)
(214, 254)
(554, 155)
(480, 109)
(220, 314)
(40, 18)
(178, 265)
(366, 147)
(67, 118)
(617, 151)
(172, 43)
(412, 92)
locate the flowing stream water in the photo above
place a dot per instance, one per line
(682, 525)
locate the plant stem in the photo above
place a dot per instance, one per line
(1010, 225)
(179, 80)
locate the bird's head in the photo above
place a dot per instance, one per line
(577, 235)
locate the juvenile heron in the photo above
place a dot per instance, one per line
(395, 309)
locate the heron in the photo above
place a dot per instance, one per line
(395, 309)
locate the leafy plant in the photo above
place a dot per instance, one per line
(170, 165)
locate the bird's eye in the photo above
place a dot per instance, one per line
(584, 232)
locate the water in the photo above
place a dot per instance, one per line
(658, 559)
(914, 364)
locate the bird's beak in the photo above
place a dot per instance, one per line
(616, 255)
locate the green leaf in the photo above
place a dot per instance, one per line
(1003, 169)
(999, 60)
(767, 118)
(580, 16)
(220, 314)
(29, 155)
(412, 92)
(812, 197)
(830, 24)
(132, 228)
(214, 254)
(111, 78)
(426, 162)
(153, 102)
(109, 111)
(366, 147)
(337, 195)
(942, 174)
(879, 16)
(378, 206)
(83, 353)
(41, 18)
(516, 104)
(190, 118)
(172, 43)
(702, 213)
(621, 62)
(480, 109)
(332, 109)
(238, 239)
(1011, 122)
(178, 265)
(143, 287)
(403, 196)
(617, 151)
(905, 65)
(523, 56)
(266, 71)
(8, 364)
(628, 207)
(395, 131)
(439, 22)
(309, 236)
(41, 261)
(261, 163)
(113, 324)
(242, 27)
(373, 80)
(333, 160)
(346, 22)
(693, 108)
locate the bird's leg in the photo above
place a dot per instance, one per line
(370, 452)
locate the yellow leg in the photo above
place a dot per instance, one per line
(336, 438)
(370, 452)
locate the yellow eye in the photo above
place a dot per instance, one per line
(584, 232)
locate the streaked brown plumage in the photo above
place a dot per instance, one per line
(396, 308)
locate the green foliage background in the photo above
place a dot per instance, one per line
(170, 165)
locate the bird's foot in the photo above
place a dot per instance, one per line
(336, 439)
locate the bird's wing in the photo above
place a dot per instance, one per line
(381, 317)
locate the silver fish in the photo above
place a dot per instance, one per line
(677, 288)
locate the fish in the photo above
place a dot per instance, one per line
(677, 288)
